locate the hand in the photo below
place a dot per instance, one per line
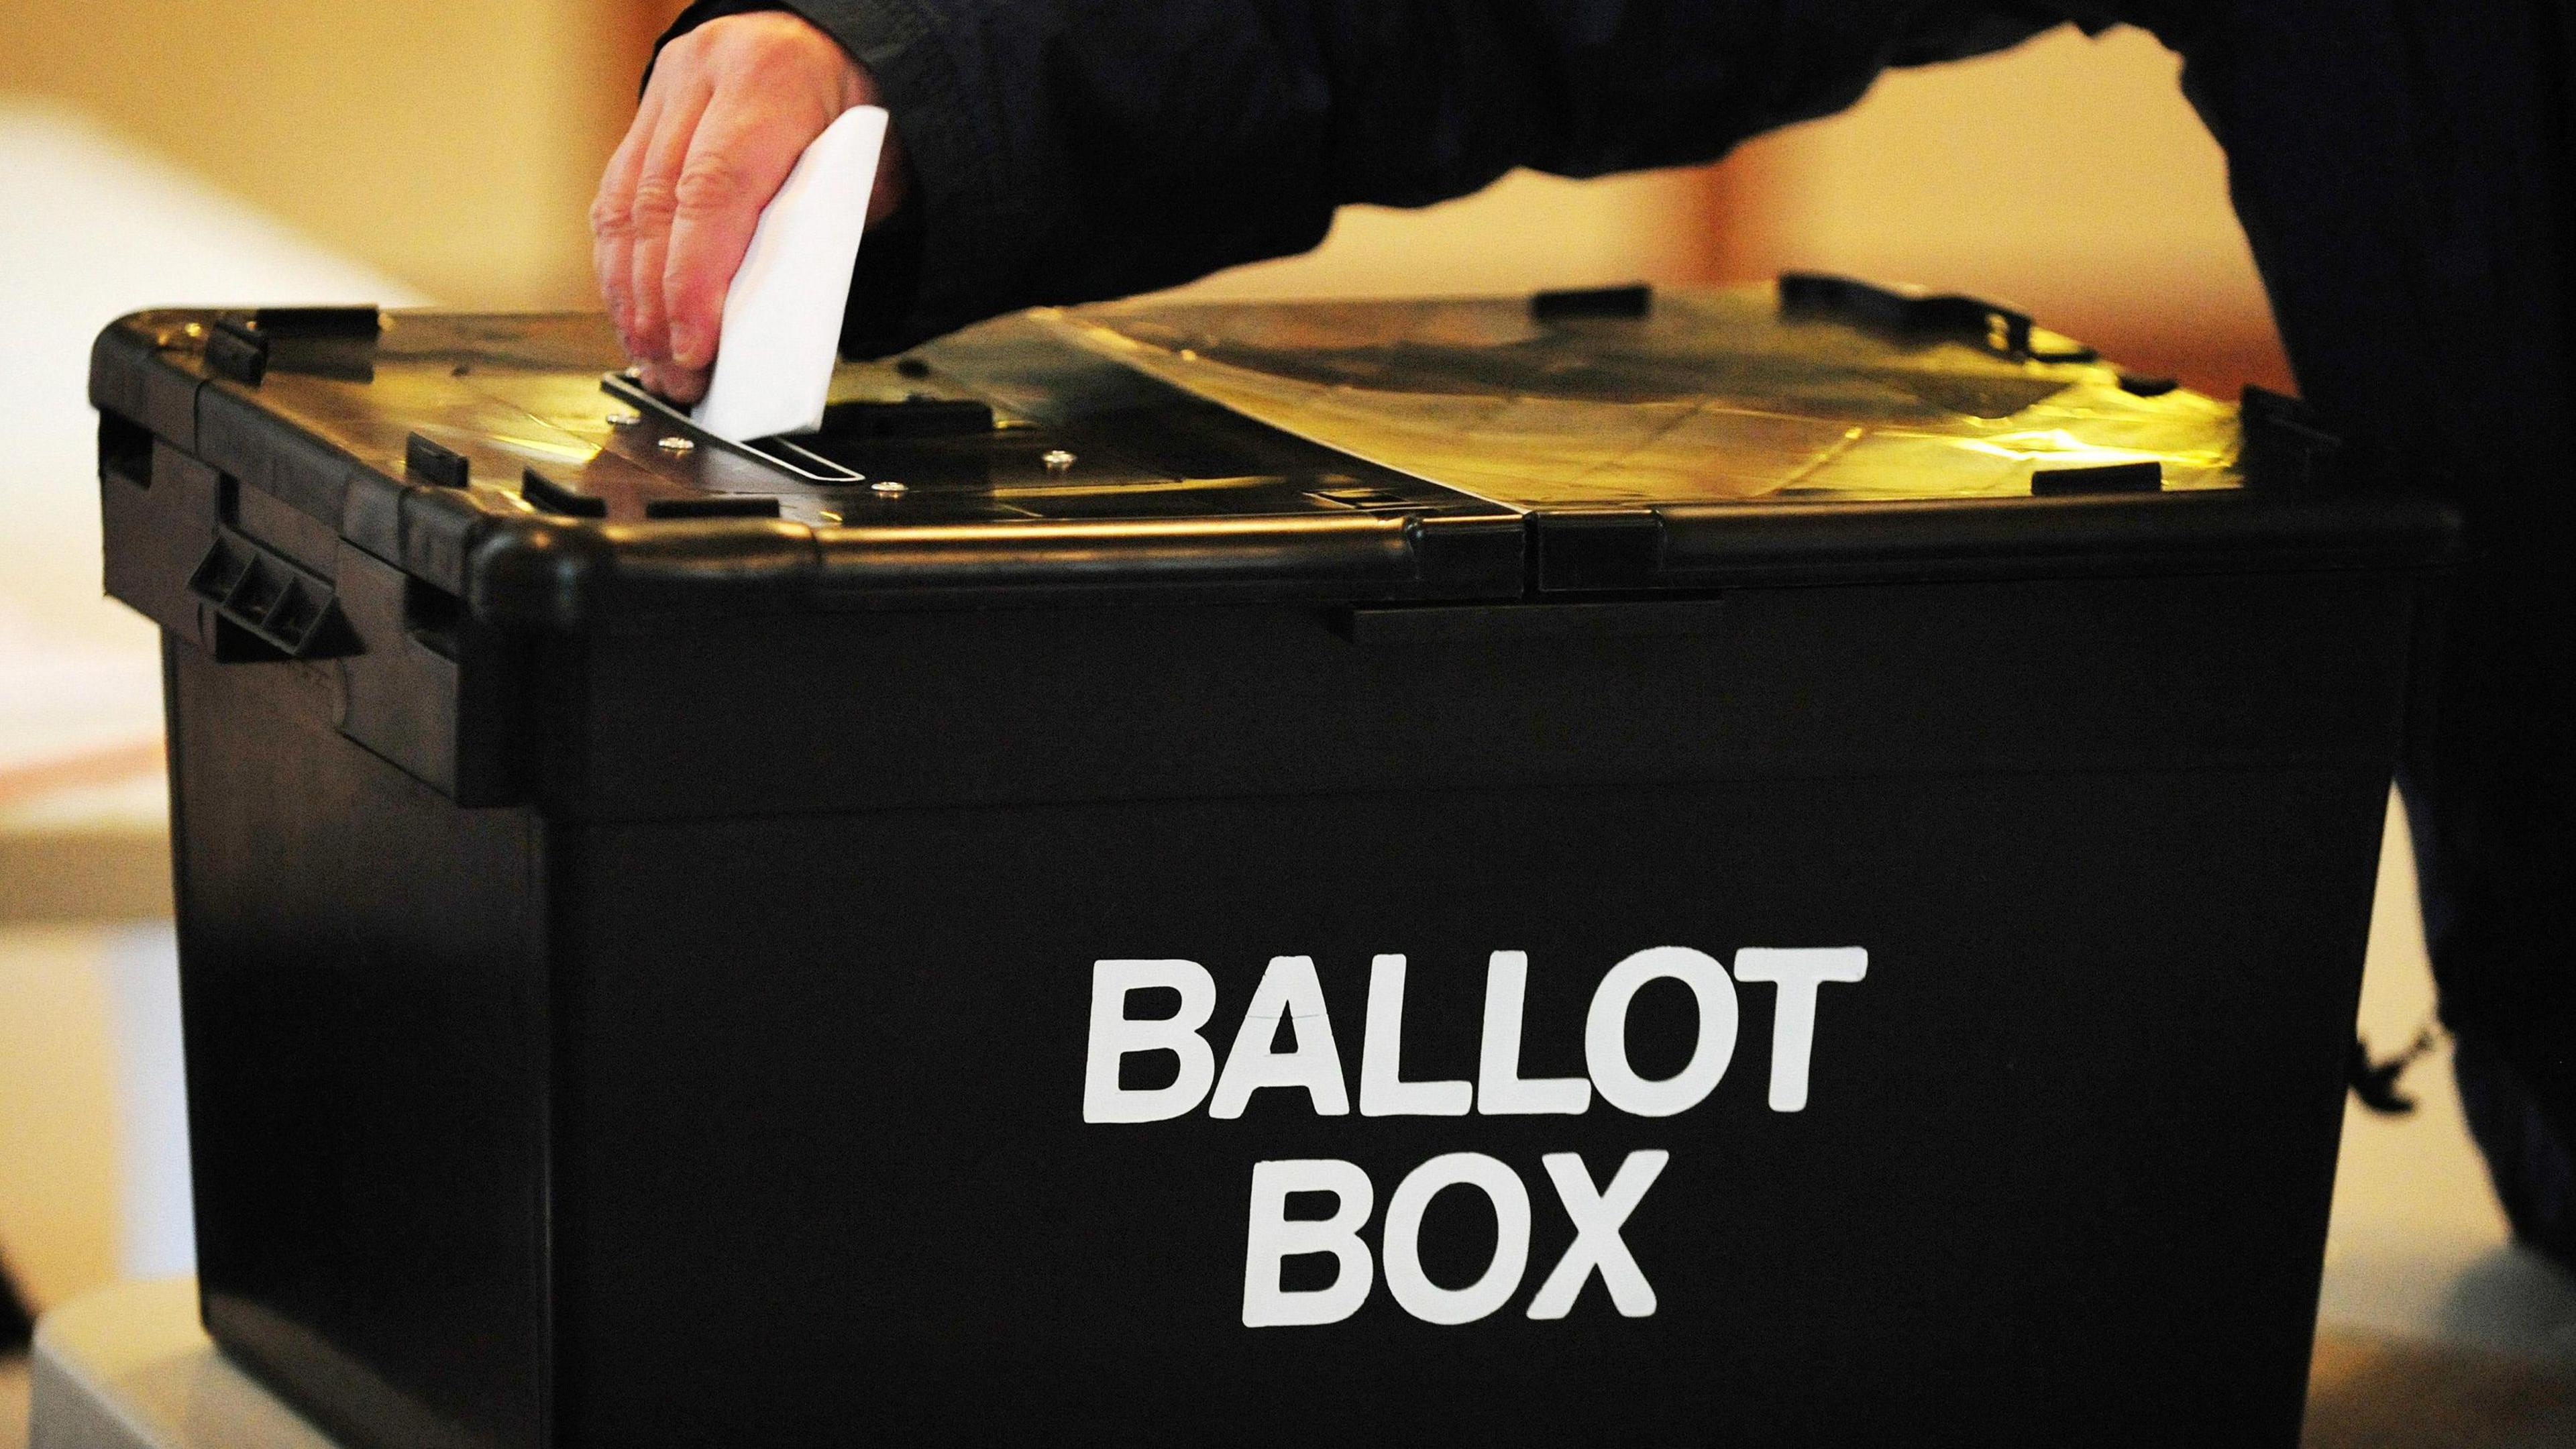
(731, 106)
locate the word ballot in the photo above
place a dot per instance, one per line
(1312, 1064)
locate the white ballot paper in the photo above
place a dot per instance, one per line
(782, 319)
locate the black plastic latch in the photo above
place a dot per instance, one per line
(550, 496)
(713, 505)
(1635, 299)
(237, 350)
(1913, 312)
(2146, 476)
(2283, 446)
(283, 606)
(1609, 548)
(435, 462)
(916, 415)
(359, 321)
(1368, 499)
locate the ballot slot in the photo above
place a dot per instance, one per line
(831, 454)
(869, 467)
(778, 452)
(927, 451)
(793, 455)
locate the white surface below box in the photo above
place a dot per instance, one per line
(128, 1368)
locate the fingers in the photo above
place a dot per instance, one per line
(736, 162)
(682, 385)
(612, 215)
(730, 108)
(655, 201)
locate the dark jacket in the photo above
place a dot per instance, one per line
(1071, 150)
(2401, 167)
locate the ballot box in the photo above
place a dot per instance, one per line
(1765, 867)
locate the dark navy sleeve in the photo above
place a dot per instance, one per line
(1070, 150)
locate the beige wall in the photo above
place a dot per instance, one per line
(58, 1129)
(451, 145)
(1524, 232)
(2068, 176)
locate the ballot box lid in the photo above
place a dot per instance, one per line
(1570, 444)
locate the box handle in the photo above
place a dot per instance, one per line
(288, 611)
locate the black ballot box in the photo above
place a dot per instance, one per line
(1724, 867)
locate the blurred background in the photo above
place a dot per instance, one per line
(219, 151)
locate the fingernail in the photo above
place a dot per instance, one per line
(685, 344)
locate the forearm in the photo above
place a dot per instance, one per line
(1068, 150)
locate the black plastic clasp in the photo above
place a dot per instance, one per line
(1635, 299)
(435, 463)
(918, 415)
(1913, 312)
(365, 320)
(286, 608)
(2145, 476)
(1603, 548)
(1349, 493)
(548, 496)
(237, 350)
(2283, 446)
(331, 341)
(713, 505)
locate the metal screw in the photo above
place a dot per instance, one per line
(674, 443)
(632, 373)
(886, 486)
(1057, 460)
(624, 419)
